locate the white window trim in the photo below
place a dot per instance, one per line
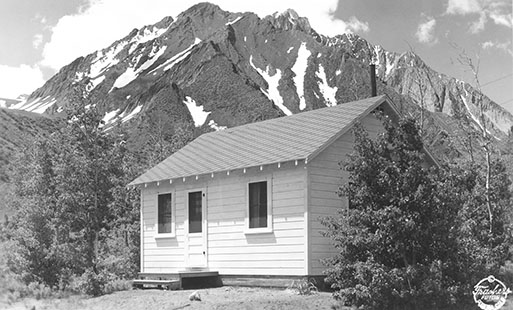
(269, 228)
(172, 234)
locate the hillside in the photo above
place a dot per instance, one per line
(17, 130)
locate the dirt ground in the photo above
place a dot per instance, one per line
(212, 298)
(239, 298)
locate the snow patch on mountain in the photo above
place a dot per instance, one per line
(299, 70)
(19, 105)
(95, 82)
(198, 114)
(469, 111)
(152, 58)
(39, 105)
(29, 106)
(131, 114)
(128, 76)
(131, 74)
(272, 81)
(41, 108)
(32, 105)
(147, 34)
(79, 76)
(234, 21)
(177, 58)
(327, 91)
(105, 60)
(110, 117)
(215, 126)
(124, 79)
(389, 65)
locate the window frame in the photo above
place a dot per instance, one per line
(171, 234)
(203, 209)
(259, 230)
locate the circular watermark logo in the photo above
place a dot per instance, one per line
(490, 293)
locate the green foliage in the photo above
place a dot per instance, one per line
(90, 282)
(303, 287)
(76, 226)
(74, 218)
(413, 237)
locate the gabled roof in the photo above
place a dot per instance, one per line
(296, 137)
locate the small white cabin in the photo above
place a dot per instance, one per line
(247, 201)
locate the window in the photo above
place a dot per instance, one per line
(195, 212)
(164, 214)
(258, 205)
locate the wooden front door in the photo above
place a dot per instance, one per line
(196, 254)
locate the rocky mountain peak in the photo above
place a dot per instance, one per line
(203, 9)
(215, 68)
(289, 20)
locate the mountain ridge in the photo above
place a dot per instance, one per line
(238, 68)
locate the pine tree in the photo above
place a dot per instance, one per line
(70, 191)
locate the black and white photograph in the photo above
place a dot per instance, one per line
(329, 154)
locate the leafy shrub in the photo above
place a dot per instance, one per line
(413, 237)
(89, 283)
(39, 290)
(303, 287)
(506, 274)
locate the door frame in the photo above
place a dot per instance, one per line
(204, 225)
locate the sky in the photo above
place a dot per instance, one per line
(38, 37)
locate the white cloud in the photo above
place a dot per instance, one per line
(502, 46)
(463, 7)
(40, 19)
(479, 25)
(425, 31)
(502, 19)
(499, 11)
(15, 81)
(101, 22)
(487, 44)
(356, 25)
(37, 40)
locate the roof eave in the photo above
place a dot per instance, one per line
(138, 182)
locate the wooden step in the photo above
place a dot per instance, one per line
(161, 279)
(168, 284)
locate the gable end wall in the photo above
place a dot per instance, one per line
(325, 176)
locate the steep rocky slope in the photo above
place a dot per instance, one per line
(218, 68)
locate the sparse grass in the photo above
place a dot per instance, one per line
(212, 298)
(117, 285)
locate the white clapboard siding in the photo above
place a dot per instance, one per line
(282, 252)
(230, 249)
(325, 178)
(161, 254)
